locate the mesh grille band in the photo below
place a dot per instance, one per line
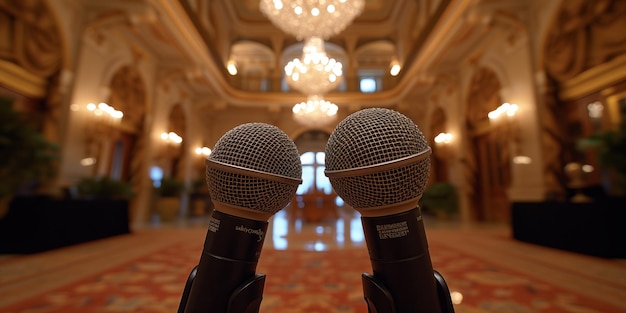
(254, 166)
(369, 138)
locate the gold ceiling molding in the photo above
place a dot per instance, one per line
(19, 79)
(594, 79)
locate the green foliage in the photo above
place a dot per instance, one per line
(170, 187)
(199, 186)
(611, 149)
(25, 154)
(104, 188)
(440, 197)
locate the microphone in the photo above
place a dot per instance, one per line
(252, 173)
(378, 162)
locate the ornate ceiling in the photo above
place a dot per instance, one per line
(194, 39)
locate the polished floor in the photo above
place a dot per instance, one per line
(291, 229)
(601, 281)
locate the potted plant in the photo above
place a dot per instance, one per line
(27, 158)
(200, 199)
(168, 198)
(611, 149)
(442, 199)
(104, 188)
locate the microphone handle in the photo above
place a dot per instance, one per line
(401, 262)
(227, 264)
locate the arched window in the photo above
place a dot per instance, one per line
(313, 178)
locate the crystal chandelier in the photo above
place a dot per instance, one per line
(308, 18)
(316, 73)
(315, 111)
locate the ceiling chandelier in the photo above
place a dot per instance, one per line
(308, 18)
(315, 111)
(316, 73)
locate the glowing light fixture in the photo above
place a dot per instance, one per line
(443, 138)
(231, 66)
(395, 68)
(171, 137)
(204, 151)
(304, 19)
(105, 111)
(508, 109)
(316, 73)
(315, 111)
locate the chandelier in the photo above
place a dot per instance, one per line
(315, 111)
(316, 73)
(308, 18)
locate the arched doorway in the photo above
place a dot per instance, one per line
(174, 157)
(440, 157)
(127, 159)
(491, 152)
(315, 198)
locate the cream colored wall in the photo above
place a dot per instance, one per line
(517, 67)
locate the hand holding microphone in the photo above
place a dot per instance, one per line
(378, 161)
(252, 173)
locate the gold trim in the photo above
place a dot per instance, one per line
(253, 173)
(390, 209)
(612, 103)
(594, 79)
(242, 212)
(370, 169)
(23, 82)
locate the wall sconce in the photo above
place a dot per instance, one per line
(443, 138)
(506, 108)
(508, 131)
(171, 138)
(231, 66)
(171, 143)
(105, 112)
(203, 151)
(442, 147)
(522, 160)
(394, 67)
(100, 124)
(100, 114)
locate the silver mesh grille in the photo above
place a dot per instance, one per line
(371, 137)
(258, 147)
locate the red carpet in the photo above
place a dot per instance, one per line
(306, 281)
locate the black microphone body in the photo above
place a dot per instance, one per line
(252, 173)
(401, 262)
(378, 162)
(228, 262)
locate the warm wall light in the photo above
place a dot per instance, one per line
(204, 151)
(443, 138)
(522, 159)
(442, 148)
(106, 111)
(171, 137)
(595, 109)
(88, 161)
(231, 66)
(395, 68)
(506, 108)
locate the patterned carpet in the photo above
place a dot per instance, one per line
(146, 271)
